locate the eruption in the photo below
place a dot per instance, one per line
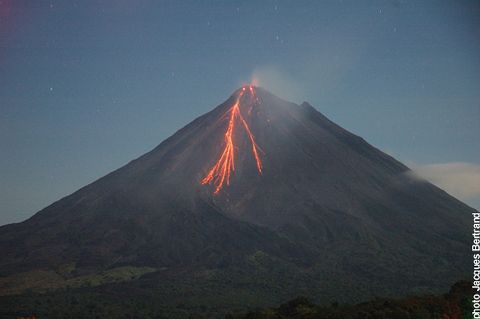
(219, 174)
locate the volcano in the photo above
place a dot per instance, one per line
(255, 202)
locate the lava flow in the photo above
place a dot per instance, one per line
(219, 174)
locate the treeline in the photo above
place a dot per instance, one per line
(457, 304)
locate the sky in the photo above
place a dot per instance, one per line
(87, 86)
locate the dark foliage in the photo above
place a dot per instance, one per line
(83, 304)
(457, 304)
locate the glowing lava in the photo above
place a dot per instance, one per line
(219, 174)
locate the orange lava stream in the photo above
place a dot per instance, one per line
(220, 173)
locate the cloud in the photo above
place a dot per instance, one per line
(462, 180)
(278, 82)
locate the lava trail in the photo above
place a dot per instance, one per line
(219, 174)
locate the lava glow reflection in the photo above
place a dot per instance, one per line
(219, 174)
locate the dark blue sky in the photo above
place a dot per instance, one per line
(86, 86)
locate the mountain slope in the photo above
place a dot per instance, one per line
(256, 175)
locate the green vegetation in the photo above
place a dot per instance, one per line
(88, 303)
(454, 305)
(242, 291)
(42, 280)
